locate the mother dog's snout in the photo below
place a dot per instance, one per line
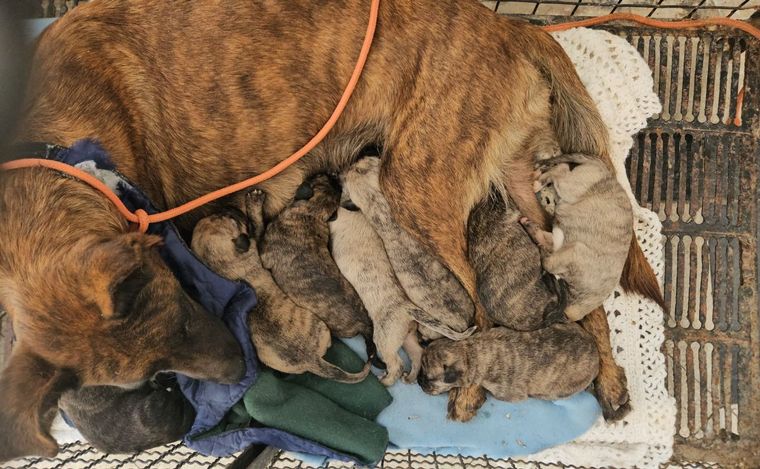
(211, 352)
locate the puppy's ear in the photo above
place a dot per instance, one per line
(29, 392)
(450, 374)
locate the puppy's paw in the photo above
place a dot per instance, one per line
(464, 403)
(611, 389)
(410, 377)
(256, 197)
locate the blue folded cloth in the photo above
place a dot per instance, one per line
(417, 421)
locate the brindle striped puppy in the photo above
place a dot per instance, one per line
(511, 284)
(359, 253)
(551, 363)
(296, 250)
(287, 337)
(427, 282)
(592, 230)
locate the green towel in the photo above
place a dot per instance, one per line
(337, 415)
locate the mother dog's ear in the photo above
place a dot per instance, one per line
(29, 392)
(115, 269)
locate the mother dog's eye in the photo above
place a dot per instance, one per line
(125, 293)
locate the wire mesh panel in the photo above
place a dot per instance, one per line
(82, 456)
(666, 9)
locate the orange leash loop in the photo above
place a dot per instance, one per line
(682, 24)
(143, 219)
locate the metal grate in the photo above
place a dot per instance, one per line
(82, 456)
(663, 9)
(697, 167)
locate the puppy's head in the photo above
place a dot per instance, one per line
(222, 240)
(443, 367)
(360, 182)
(91, 303)
(320, 195)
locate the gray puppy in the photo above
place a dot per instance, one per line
(427, 282)
(295, 248)
(512, 287)
(117, 420)
(551, 363)
(287, 337)
(359, 253)
(591, 234)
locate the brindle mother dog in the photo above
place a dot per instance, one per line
(191, 96)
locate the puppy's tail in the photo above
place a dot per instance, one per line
(327, 370)
(579, 128)
(435, 325)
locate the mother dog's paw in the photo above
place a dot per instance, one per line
(611, 391)
(464, 403)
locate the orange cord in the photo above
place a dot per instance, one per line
(143, 220)
(682, 24)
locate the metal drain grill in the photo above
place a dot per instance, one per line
(696, 166)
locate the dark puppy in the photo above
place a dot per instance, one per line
(287, 337)
(296, 249)
(117, 420)
(551, 363)
(511, 284)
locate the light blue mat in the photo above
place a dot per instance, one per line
(417, 421)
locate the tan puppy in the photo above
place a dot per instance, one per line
(295, 248)
(359, 253)
(287, 337)
(511, 284)
(593, 225)
(551, 363)
(429, 284)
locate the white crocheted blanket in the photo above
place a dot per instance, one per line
(620, 82)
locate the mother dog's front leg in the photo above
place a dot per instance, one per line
(431, 197)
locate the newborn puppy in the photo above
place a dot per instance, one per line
(551, 363)
(359, 253)
(593, 225)
(427, 282)
(117, 420)
(287, 337)
(511, 284)
(296, 250)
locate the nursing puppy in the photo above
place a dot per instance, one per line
(550, 363)
(295, 249)
(117, 420)
(593, 225)
(359, 253)
(287, 337)
(427, 282)
(511, 284)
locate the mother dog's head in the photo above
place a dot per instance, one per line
(91, 303)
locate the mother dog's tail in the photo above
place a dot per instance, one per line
(579, 128)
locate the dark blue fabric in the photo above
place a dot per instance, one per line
(221, 297)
